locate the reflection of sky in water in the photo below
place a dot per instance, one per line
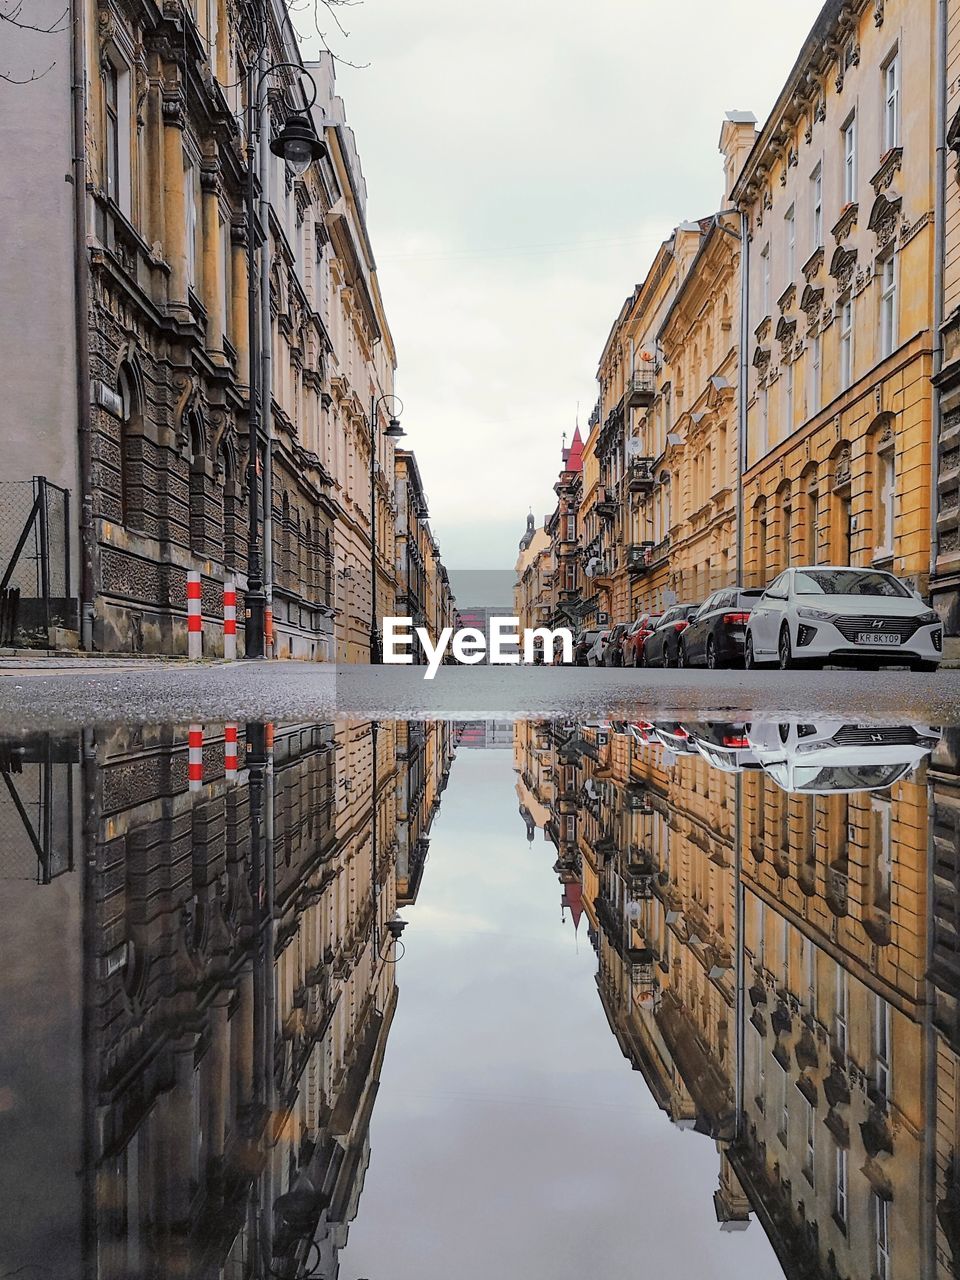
(510, 1137)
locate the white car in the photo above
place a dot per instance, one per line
(835, 613)
(596, 651)
(832, 757)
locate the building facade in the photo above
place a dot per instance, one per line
(153, 448)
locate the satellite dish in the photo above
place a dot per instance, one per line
(634, 446)
(632, 910)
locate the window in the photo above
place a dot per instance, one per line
(816, 200)
(881, 1047)
(571, 526)
(840, 1011)
(791, 229)
(116, 129)
(886, 500)
(761, 933)
(784, 949)
(788, 388)
(763, 400)
(810, 1143)
(765, 280)
(850, 160)
(816, 372)
(846, 344)
(783, 1110)
(883, 1237)
(810, 966)
(840, 1188)
(888, 305)
(191, 197)
(761, 1073)
(891, 109)
(112, 131)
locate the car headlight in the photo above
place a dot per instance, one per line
(816, 615)
(928, 619)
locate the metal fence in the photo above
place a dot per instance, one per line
(35, 591)
(37, 797)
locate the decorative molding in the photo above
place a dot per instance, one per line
(762, 331)
(890, 166)
(811, 303)
(842, 267)
(787, 298)
(878, 13)
(885, 218)
(811, 268)
(846, 222)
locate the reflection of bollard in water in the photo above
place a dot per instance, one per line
(195, 757)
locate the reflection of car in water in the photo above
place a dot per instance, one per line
(833, 757)
(725, 746)
(674, 737)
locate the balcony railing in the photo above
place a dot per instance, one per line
(608, 504)
(641, 388)
(638, 557)
(594, 416)
(640, 475)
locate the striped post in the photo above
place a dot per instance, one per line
(194, 620)
(195, 757)
(230, 752)
(230, 620)
(268, 628)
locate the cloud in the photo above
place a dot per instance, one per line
(523, 163)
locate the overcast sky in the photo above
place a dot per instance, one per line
(523, 161)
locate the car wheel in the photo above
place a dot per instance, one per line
(749, 657)
(924, 666)
(665, 658)
(681, 655)
(712, 662)
(785, 650)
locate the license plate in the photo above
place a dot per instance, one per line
(873, 637)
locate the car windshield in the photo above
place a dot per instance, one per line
(848, 582)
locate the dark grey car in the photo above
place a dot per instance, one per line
(660, 649)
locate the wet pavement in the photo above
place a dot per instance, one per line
(392, 999)
(71, 693)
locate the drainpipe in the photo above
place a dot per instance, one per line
(940, 243)
(743, 383)
(266, 376)
(81, 293)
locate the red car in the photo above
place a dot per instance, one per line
(634, 640)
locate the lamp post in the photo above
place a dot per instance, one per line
(393, 431)
(298, 144)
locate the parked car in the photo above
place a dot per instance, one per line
(598, 648)
(635, 638)
(715, 636)
(674, 737)
(660, 648)
(725, 746)
(837, 613)
(613, 653)
(833, 757)
(583, 645)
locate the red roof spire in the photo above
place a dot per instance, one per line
(573, 457)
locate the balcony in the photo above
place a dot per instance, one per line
(641, 389)
(608, 504)
(594, 419)
(640, 475)
(638, 557)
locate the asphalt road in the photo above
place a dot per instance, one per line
(51, 693)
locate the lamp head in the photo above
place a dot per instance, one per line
(298, 144)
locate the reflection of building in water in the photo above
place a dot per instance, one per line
(837, 1125)
(237, 989)
(486, 735)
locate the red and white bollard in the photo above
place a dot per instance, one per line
(194, 619)
(195, 757)
(230, 620)
(230, 752)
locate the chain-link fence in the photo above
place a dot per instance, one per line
(35, 593)
(37, 792)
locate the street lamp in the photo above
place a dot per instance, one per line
(298, 144)
(392, 431)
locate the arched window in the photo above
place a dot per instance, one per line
(811, 516)
(198, 485)
(762, 574)
(228, 505)
(285, 534)
(130, 481)
(884, 483)
(307, 572)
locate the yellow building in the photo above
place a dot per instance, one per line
(838, 194)
(534, 577)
